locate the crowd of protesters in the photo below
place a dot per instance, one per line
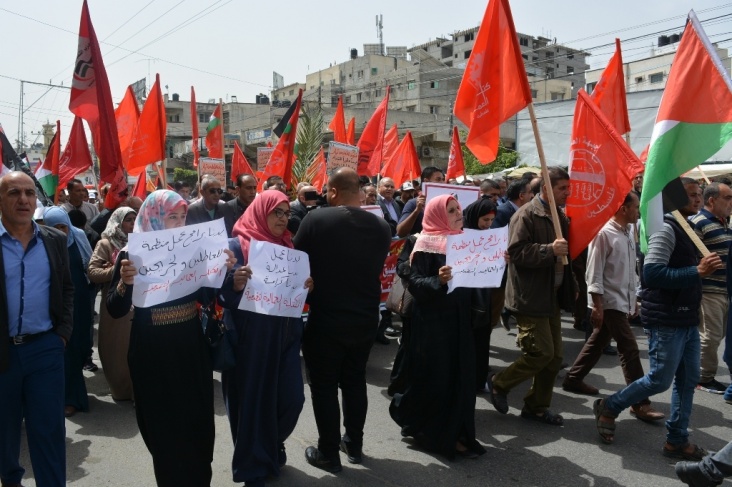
(57, 259)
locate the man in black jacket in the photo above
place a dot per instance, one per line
(36, 306)
(247, 192)
(210, 207)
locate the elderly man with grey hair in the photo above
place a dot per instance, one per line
(210, 207)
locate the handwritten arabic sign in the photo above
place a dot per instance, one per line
(341, 155)
(174, 263)
(214, 167)
(277, 285)
(477, 258)
(263, 155)
(463, 194)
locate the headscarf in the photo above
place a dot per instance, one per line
(56, 215)
(253, 222)
(435, 226)
(475, 210)
(113, 231)
(156, 206)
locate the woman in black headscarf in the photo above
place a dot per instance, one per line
(479, 216)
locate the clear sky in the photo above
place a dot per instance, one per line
(231, 47)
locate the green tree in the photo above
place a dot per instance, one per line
(188, 175)
(309, 138)
(506, 158)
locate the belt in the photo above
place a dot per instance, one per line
(27, 337)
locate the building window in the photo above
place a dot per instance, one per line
(466, 54)
(359, 75)
(557, 96)
(524, 41)
(204, 117)
(377, 92)
(292, 92)
(332, 82)
(570, 56)
(470, 37)
(590, 87)
(411, 84)
(550, 72)
(639, 80)
(656, 78)
(412, 108)
(434, 84)
(433, 109)
(549, 54)
(374, 71)
(348, 99)
(525, 56)
(534, 94)
(358, 96)
(570, 69)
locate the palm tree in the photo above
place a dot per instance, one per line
(309, 139)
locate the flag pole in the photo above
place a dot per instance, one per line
(545, 177)
(704, 176)
(223, 140)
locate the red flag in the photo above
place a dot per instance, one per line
(239, 163)
(194, 129)
(391, 142)
(316, 171)
(338, 124)
(351, 132)
(455, 163)
(140, 189)
(609, 93)
(371, 143)
(127, 116)
(404, 164)
(149, 144)
(282, 158)
(76, 157)
(601, 168)
(214, 135)
(494, 85)
(91, 100)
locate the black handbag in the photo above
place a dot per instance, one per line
(220, 340)
(400, 300)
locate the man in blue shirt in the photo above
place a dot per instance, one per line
(410, 221)
(36, 304)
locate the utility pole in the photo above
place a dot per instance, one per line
(452, 106)
(21, 110)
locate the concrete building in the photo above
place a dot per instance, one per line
(651, 73)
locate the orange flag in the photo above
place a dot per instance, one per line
(601, 167)
(391, 142)
(455, 163)
(149, 143)
(214, 135)
(351, 132)
(609, 93)
(75, 157)
(371, 143)
(494, 85)
(127, 115)
(404, 164)
(140, 189)
(338, 124)
(282, 158)
(316, 171)
(194, 129)
(239, 163)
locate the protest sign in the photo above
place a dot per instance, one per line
(341, 155)
(374, 210)
(477, 258)
(463, 194)
(388, 273)
(277, 285)
(213, 167)
(174, 263)
(263, 155)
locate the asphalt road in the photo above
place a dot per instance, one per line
(104, 447)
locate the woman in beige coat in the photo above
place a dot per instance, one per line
(114, 334)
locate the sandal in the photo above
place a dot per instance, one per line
(546, 417)
(680, 452)
(605, 429)
(499, 401)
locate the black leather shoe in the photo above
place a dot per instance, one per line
(691, 474)
(353, 452)
(316, 458)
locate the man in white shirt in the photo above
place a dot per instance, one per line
(77, 193)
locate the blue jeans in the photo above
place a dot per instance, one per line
(674, 357)
(719, 465)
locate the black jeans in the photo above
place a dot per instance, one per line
(332, 361)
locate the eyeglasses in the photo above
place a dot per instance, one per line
(280, 213)
(215, 191)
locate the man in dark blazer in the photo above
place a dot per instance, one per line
(517, 194)
(247, 192)
(36, 309)
(392, 211)
(210, 207)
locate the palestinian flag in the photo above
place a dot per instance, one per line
(47, 172)
(214, 135)
(694, 120)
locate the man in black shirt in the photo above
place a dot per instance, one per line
(347, 247)
(247, 192)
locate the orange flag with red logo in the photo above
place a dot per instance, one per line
(609, 93)
(371, 143)
(75, 158)
(455, 163)
(391, 142)
(316, 171)
(239, 163)
(404, 164)
(127, 115)
(601, 168)
(338, 124)
(149, 143)
(351, 132)
(494, 85)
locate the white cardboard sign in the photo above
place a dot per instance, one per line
(477, 258)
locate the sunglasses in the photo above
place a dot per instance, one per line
(280, 213)
(216, 190)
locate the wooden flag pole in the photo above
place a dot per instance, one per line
(545, 177)
(684, 223)
(703, 175)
